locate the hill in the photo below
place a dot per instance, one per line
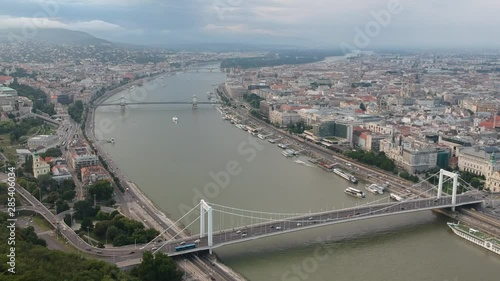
(57, 36)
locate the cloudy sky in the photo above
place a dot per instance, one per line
(310, 23)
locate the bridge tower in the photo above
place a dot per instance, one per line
(195, 102)
(122, 103)
(205, 208)
(454, 176)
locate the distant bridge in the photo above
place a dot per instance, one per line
(41, 117)
(194, 102)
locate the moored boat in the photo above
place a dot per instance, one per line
(345, 175)
(354, 192)
(476, 236)
(375, 188)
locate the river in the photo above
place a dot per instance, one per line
(203, 156)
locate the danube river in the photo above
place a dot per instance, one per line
(203, 156)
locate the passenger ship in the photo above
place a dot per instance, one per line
(355, 192)
(345, 175)
(476, 236)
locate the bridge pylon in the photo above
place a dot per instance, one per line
(195, 102)
(205, 208)
(454, 176)
(122, 103)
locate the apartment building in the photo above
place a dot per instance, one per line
(90, 175)
(81, 157)
(493, 182)
(479, 160)
(413, 157)
(43, 140)
(283, 118)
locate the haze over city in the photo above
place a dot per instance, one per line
(323, 23)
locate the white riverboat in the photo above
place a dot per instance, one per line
(476, 236)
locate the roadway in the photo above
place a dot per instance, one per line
(261, 230)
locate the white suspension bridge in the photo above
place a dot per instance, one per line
(257, 224)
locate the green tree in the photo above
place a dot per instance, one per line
(101, 227)
(475, 182)
(86, 222)
(362, 106)
(76, 110)
(84, 209)
(103, 190)
(67, 219)
(61, 206)
(121, 240)
(159, 267)
(102, 216)
(112, 233)
(28, 234)
(52, 152)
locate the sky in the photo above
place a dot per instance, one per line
(359, 24)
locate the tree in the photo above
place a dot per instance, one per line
(157, 267)
(102, 190)
(475, 182)
(84, 209)
(61, 206)
(47, 183)
(121, 240)
(67, 219)
(76, 110)
(52, 152)
(112, 233)
(101, 227)
(86, 222)
(362, 106)
(28, 234)
(102, 216)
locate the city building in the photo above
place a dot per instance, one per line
(40, 167)
(412, 156)
(7, 91)
(61, 172)
(283, 118)
(234, 90)
(493, 182)
(333, 128)
(265, 108)
(454, 143)
(479, 160)
(46, 141)
(81, 157)
(92, 174)
(6, 80)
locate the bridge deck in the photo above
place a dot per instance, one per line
(261, 230)
(160, 102)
